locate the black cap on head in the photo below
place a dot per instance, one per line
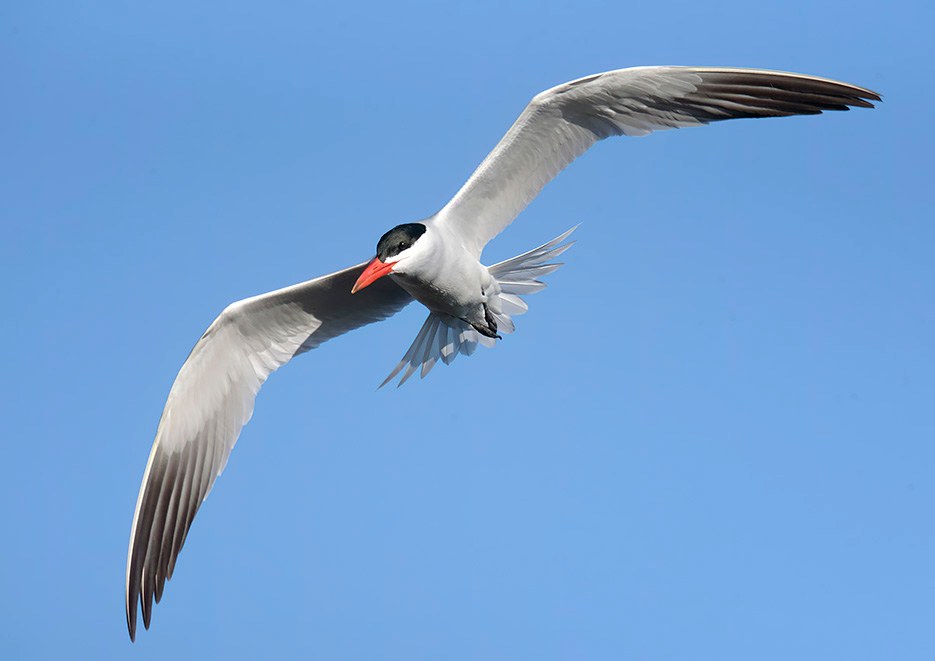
(398, 239)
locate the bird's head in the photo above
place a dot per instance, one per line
(395, 250)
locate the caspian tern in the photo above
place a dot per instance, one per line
(434, 261)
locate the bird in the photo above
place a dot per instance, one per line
(436, 262)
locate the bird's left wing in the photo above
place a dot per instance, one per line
(212, 399)
(561, 123)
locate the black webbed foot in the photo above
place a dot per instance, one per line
(490, 330)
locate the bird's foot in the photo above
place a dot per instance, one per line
(488, 330)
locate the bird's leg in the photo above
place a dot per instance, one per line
(490, 330)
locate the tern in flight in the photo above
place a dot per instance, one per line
(434, 261)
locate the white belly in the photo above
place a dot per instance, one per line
(450, 282)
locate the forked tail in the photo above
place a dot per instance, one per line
(444, 337)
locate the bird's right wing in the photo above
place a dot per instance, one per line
(561, 123)
(212, 399)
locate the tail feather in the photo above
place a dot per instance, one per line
(469, 347)
(447, 346)
(430, 354)
(533, 257)
(512, 304)
(410, 357)
(444, 337)
(521, 288)
(529, 272)
(504, 323)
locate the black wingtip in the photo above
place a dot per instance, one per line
(131, 622)
(147, 612)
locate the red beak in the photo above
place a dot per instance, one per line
(374, 271)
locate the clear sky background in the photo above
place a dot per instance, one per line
(710, 438)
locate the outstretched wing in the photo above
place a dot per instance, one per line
(212, 399)
(560, 124)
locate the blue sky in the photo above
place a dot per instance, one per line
(710, 437)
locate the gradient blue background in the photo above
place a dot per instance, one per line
(710, 438)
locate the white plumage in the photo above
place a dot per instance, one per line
(435, 262)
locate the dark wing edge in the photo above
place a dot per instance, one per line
(561, 123)
(740, 93)
(212, 398)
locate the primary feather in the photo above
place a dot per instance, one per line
(561, 123)
(212, 399)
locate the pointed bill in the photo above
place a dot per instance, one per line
(374, 271)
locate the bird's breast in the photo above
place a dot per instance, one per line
(454, 286)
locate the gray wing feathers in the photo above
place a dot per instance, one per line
(562, 123)
(212, 399)
(441, 336)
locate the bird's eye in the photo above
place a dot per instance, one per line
(402, 246)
